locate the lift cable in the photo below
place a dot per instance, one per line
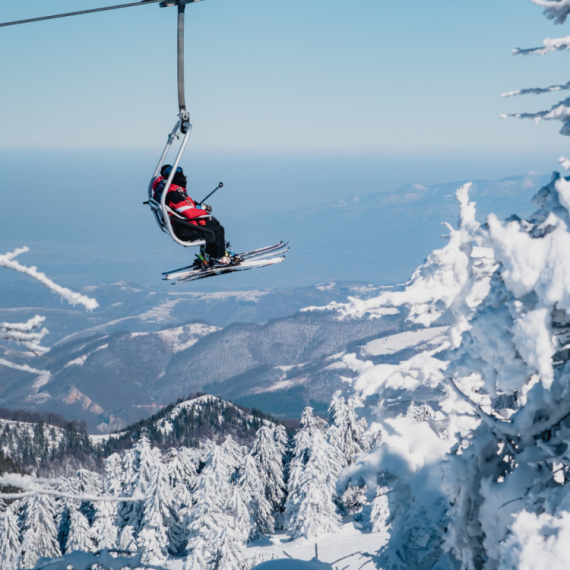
(140, 3)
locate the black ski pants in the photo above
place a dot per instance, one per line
(215, 247)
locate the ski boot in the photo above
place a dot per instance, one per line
(202, 260)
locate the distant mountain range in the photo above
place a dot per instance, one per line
(143, 349)
(383, 237)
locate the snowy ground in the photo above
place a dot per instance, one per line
(331, 547)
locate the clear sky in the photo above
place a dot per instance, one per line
(269, 75)
(294, 103)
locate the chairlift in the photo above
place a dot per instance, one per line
(165, 217)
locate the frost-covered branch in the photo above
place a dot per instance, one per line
(22, 367)
(558, 112)
(31, 333)
(537, 90)
(549, 45)
(556, 10)
(7, 260)
(28, 334)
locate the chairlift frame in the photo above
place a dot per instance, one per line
(182, 128)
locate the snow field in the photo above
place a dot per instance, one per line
(331, 547)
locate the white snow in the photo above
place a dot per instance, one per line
(80, 361)
(331, 547)
(400, 341)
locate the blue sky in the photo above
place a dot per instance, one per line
(264, 76)
(294, 104)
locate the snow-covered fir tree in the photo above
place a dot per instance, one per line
(253, 490)
(159, 517)
(127, 540)
(182, 467)
(137, 468)
(228, 552)
(10, 546)
(79, 536)
(39, 532)
(104, 530)
(310, 508)
(212, 491)
(268, 450)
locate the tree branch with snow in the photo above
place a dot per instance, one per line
(31, 333)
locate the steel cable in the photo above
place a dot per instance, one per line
(141, 3)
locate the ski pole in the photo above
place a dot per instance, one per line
(220, 185)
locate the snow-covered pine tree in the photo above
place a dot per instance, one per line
(239, 516)
(39, 532)
(154, 538)
(228, 552)
(313, 509)
(253, 490)
(345, 429)
(104, 529)
(79, 536)
(268, 450)
(182, 467)
(88, 483)
(10, 546)
(212, 492)
(310, 509)
(137, 468)
(198, 557)
(300, 451)
(127, 541)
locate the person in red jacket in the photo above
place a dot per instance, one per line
(178, 200)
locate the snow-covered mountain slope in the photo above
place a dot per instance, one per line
(112, 380)
(126, 307)
(197, 422)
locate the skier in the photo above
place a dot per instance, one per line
(198, 214)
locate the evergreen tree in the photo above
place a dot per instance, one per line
(268, 450)
(228, 554)
(345, 430)
(127, 540)
(281, 439)
(299, 456)
(182, 472)
(158, 518)
(312, 509)
(105, 531)
(236, 509)
(39, 531)
(252, 489)
(212, 492)
(79, 537)
(10, 546)
(197, 559)
(137, 468)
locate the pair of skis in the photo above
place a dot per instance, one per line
(254, 259)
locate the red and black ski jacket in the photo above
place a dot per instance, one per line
(178, 200)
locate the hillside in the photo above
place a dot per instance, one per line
(194, 422)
